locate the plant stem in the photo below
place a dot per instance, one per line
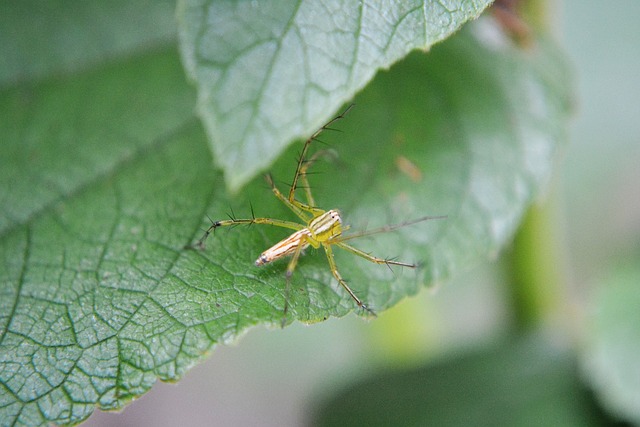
(535, 270)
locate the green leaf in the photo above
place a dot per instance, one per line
(610, 360)
(87, 231)
(44, 38)
(269, 72)
(526, 382)
(105, 176)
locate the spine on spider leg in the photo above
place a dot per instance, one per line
(215, 224)
(248, 221)
(199, 245)
(305, 148)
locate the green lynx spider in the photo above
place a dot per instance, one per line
(320, 228)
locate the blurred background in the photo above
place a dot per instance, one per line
(279, 377)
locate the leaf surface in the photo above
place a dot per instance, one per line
(105, 176)
(525, 382)
(40, 39)
(272, 71)
(610, 360)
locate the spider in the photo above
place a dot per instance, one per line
(320, 228)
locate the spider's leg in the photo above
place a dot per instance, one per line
(372, 258)
(336, 274)
(304, 212)
(303, 155)
(383, 229)
(303, 174)
(236, 221)
(290, 269)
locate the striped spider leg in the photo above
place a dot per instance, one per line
(320, 228)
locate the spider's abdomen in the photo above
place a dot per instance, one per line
(285, 247)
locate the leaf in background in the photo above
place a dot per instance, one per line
(526, 382)
(106, 175)
(53, 37)
(610, 361)
(269, 72)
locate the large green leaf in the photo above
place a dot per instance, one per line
(612, 344)
(105, 176)
(526, 382)
(271, 71)
(40, 38)
(86, 165)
